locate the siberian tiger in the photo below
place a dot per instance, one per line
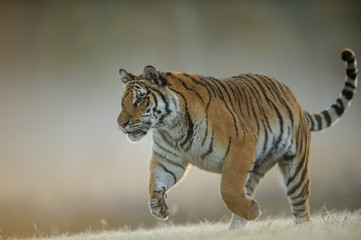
(239, 127)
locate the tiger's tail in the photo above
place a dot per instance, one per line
(328, 117)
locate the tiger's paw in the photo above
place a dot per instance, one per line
(159, 208)
(253, 210)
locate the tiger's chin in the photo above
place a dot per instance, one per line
(136, 137)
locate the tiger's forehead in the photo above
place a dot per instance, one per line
(135, 88)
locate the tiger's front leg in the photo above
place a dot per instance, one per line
(234, 174)
(164, 174)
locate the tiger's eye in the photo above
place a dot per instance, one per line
(138, 101)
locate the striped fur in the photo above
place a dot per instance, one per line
(331, 115)
(239, 127)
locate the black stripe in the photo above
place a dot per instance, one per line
(248, 78)
(208, 84)
(251, 86)
(351, 73)
(190, 89)
(189, 123)
(166, 170)
(298, 168)
(255, 116)
(279, 98)
(206, 131)
(225, 90)
(241, 92)
(256, 173)
(288, 110)
(251, 92)
(210, 147)
(202, 82)
(229, 146)
(294, 189)
(165, 150)
(319, 121)
(309, 117)
(166, 139)
(299, 134)
(299, 215)
(161, 95)
(189, 132)
(339, 110)
(289, 157)
(265, 139)
(327, 117)
(222, 98)
(347, 84)
(229, 97)
(167, 110)
(298, 211)
(209, 101)
(303, 192)
(273, 85)
(283, 89)
(171, 162)
(155, 102)
(219, 92)
(250, 189)
(236, 95)
(281, 125)
(236, 98)
(266, 83)
(269, 101)
(255, 166)
(260, 87)
(347, 93)
(302, 202)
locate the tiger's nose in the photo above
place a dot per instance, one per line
(123, 123)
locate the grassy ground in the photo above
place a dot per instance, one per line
(328, 225)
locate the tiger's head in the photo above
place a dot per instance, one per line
(146, 103)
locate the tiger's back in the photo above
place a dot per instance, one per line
(252, 103)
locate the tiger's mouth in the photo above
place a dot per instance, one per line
(136, 132)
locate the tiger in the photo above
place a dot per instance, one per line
(239, 127)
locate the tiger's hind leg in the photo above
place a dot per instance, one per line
(254, 176)
(295, 170)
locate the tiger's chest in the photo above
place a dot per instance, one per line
(199, 151)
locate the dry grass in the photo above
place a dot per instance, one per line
(326, 225)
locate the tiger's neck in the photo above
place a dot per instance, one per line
(176, 120)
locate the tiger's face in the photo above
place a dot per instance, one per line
(134, 119)
(140, 107)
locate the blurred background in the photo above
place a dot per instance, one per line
(65, 166)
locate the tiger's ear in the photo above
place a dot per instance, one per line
(153, 76)
(125, 76)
